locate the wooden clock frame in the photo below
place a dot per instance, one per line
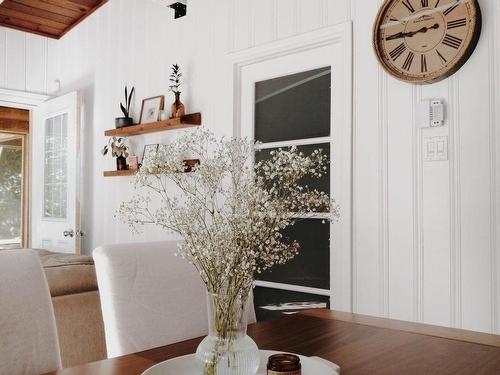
(452, 70)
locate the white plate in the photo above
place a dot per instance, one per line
(186, 365)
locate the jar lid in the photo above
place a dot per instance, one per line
(284, 362)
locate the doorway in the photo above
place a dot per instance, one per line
(14, 201)
(298, 93)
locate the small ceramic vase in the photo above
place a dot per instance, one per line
(177, 109)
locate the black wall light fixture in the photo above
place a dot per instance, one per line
(180, 9)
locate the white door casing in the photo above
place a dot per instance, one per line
(55, 188)
(326, 47)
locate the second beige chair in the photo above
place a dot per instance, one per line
(149, 297)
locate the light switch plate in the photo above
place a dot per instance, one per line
(435, 148)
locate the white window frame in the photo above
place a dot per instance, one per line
(340, 141)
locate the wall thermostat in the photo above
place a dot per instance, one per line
(430, 113)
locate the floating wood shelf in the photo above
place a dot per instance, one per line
(131, 172)
(186, 121)
(127, 172)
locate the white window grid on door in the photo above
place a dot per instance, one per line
(55, 170)
(313, 216)
(300, 142)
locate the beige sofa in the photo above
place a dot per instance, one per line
(75, 296)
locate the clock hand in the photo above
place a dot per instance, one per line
(423, 30)
(401, 35)
(395, 36)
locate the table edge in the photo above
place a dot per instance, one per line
(405, 326)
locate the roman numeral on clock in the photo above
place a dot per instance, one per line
(451, 9)
(398, 51)
(408, 61)
(425, 3)
(437, 3)
(423, 63)
(408, 6)
(457, 23)
(452, 41)
(441, 57)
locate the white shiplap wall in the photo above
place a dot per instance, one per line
(426, 235)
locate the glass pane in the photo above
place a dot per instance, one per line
(55, 172)
(11, 167)
(311, 267)
(323, 183)
(270, 303)
(293, 107)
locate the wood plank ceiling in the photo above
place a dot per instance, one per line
(51, 18)
(13, 120)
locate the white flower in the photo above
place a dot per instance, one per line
(230, 213)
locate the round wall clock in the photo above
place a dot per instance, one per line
(423, 41)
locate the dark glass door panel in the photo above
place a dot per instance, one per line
(311, 267)
(293, 107)
(322, 183)
(271, 303)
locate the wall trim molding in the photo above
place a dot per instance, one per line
(354, 254)
(324, 12)
(417, 190)
(383, 203)
(455, 204)
(339, 36)
(296, 19)
(231, 26)
(275, 19)
(21, 99)
(494, 184)
(251, 24)
(497, 161)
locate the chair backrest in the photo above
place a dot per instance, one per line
(149, 296)
(28, 335)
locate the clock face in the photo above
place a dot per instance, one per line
(423, 41)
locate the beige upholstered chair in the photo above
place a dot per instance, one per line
(149, 297)
(28, 336)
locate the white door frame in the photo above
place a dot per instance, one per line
(29, 101)
(341, 37)
(21, 99)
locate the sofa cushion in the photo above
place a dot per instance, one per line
(68, 273)
(80, 328)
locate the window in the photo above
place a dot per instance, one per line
(55, 178)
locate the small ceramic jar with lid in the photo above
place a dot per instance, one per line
(284, 364)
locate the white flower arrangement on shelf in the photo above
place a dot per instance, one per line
(230, 212)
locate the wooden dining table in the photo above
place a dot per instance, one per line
(359, 344)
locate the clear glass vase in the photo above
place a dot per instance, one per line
(227, 350)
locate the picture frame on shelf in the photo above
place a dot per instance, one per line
(150, 110)
(149, 151)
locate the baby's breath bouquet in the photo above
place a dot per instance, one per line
(230, 213)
